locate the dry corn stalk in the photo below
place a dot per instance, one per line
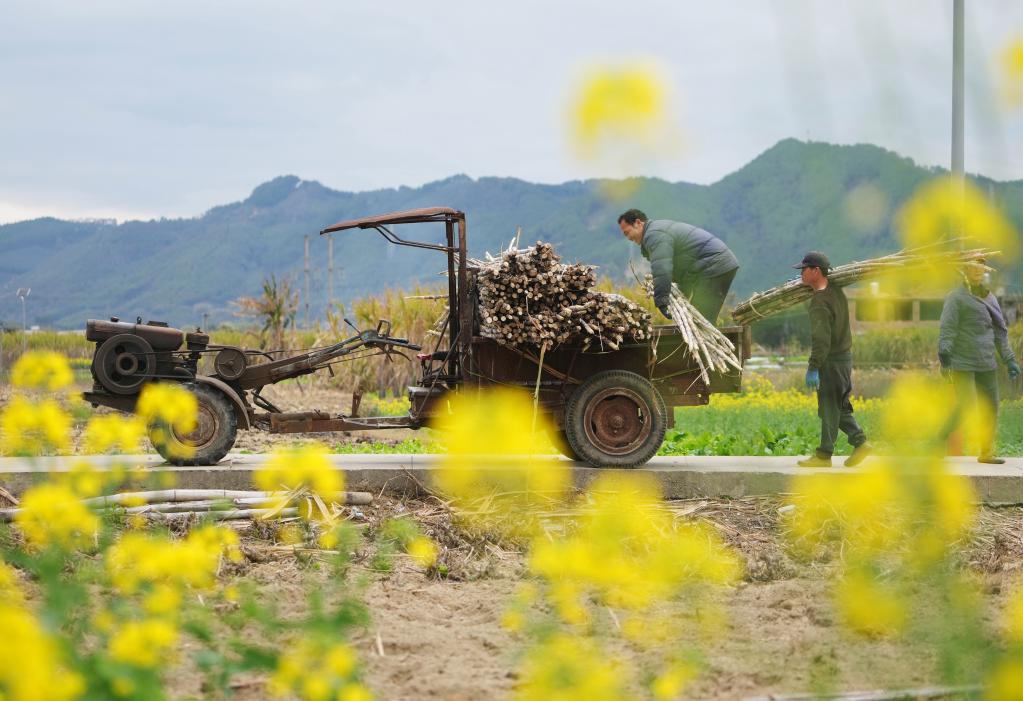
(780, 298)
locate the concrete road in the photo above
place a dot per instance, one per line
(680, 477)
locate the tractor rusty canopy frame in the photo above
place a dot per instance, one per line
(459, 307)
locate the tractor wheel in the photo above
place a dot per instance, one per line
(214, 434)
(615, 419)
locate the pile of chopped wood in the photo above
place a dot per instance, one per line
(780, 298)
(528, 296)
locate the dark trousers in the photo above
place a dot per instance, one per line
(835, 408)
(708, 294)
(973, 387)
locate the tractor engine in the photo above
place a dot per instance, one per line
(129, 355)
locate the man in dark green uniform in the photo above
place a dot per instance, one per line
(829, 370)
(697, 261)
(973, 337)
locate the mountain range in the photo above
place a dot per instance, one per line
(793, 197)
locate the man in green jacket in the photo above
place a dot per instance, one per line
(697, 261)
(973, 337)
(829, 370)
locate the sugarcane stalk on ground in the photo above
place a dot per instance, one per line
(218, 504)
(780, 298)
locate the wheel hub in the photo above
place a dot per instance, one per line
(205, 428)
(617, 420)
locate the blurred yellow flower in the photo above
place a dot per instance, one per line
(52, 514)
(169, 404)
(45, 370)
(141, 560)
(1006, 682)
(423, 551)
(305, 466)
(491, 460)
(117, 431)
(29, 428)
(626, 550)
(147, 643)
(670, 683)
(565, 667)
(1011, 77)
(869, 606)
(30, 664)
(317, 671)
(935, 213)
(616, 104)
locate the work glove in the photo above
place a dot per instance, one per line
(946, 365)
(664, 310)
(813, 379)
(1013, 368)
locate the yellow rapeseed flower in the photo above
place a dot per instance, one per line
(870, 606)
(491, 468)
(29, 428)
(142, 560)
(1006, 682)
(305, 466)
(627, 551)
(317, 671)
(52, 514)
(43, 370)
(30, 664)
(670, 683)
(114, 431)
(1011, 74)
(168, 404)
(10, 589)
(565, 668)
(423, 551)
(617, 109)
(147, 643)
(936, 213)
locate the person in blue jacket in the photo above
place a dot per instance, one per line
(697, 261)
(973, 337)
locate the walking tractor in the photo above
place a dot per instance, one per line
(611, 403)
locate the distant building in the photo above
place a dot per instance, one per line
(870, 306)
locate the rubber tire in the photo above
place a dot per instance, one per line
(218, 413)
(560, 440)
(634, 389)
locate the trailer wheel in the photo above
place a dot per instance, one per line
(615, 419)
(559, 438)
(214, 434)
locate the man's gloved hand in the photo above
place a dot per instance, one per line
(946, 365)
(813, 379)
(664, 310)
(1014, 371)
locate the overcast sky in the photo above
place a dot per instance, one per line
(146, 109)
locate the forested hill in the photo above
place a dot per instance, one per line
(793, 197)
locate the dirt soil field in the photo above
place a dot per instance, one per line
(442, 639)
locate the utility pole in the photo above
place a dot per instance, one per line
(307, 281)
(958, 110)
(23, 292)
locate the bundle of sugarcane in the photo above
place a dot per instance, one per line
(710, 348)
(216, 504)
(780, 298)
(529, 297)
